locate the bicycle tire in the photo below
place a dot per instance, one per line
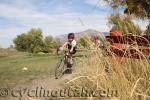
(59, 70)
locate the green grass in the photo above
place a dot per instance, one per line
(12, 63)
(38, 65)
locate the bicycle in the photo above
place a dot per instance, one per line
(64, 65)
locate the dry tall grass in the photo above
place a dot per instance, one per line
(130, 78)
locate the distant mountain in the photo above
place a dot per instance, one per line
(89, 32)
(105, 33)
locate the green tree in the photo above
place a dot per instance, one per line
(139, 8)
(48, 41)
(32, 41)
(58, 42)
(35, 40)
(49, 44)
(124, 24)
(21, 42)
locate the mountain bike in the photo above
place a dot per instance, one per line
(64, 65)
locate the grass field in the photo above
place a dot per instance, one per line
(11, 67)
(12, 64)
(130, 78)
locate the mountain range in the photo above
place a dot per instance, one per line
(78, 35)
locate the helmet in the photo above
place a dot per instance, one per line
(96, 37)
(71, 36)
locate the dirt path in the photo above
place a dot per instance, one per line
(39, 88)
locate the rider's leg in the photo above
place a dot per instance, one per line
(70, 60)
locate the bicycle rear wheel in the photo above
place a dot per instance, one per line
(60, 68)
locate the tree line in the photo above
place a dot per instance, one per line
(34, 42)
(134, 8)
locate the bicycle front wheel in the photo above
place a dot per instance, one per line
(59, 71)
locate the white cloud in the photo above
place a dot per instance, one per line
(18, 13)
(55, 24)
(67, 21)
(97, 3)
(142, 23)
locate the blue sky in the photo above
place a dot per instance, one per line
(54, 17)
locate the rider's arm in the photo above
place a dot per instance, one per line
(64, 46)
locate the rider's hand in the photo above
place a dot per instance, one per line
(61, 48)
(70, 51)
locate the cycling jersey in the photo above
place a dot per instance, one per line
(71, 46)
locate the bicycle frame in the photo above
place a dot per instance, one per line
(65, 60)
(66, 56)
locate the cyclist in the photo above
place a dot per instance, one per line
(98, 43)
(71, 47)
